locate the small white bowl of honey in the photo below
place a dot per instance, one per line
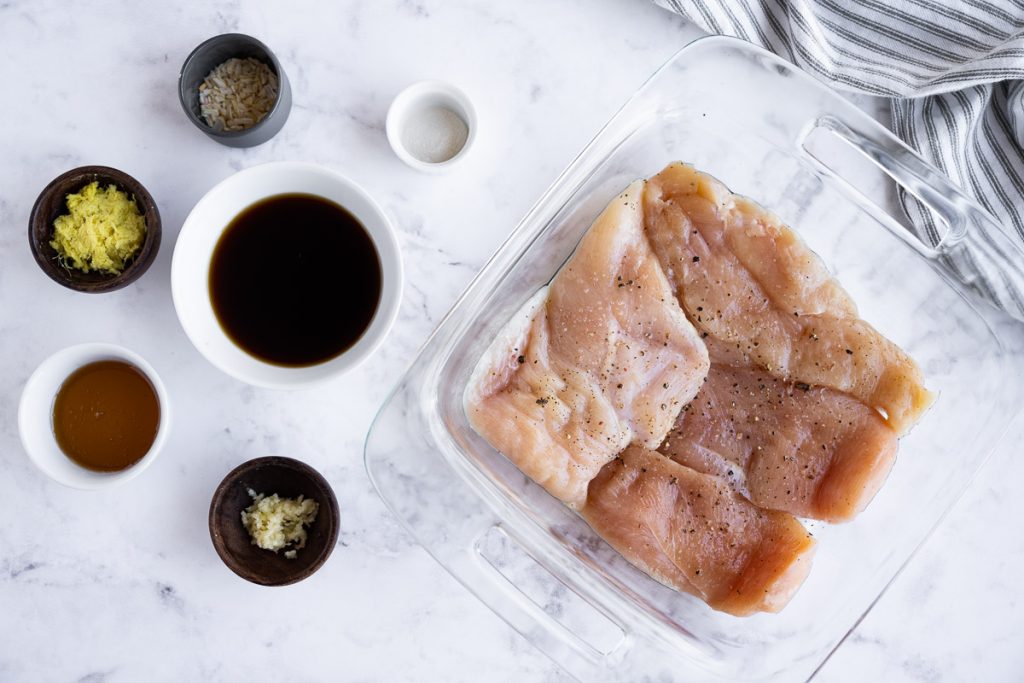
(94, 415)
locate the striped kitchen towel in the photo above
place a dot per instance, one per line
(953, 69)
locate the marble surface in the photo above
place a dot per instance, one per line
(124, 585)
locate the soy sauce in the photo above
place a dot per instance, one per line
(295, 280)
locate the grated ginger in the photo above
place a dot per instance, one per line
(102, 230)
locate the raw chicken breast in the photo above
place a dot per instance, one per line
(603, 358)
(761, 298)
(810, 451)
(683, 294)
(692, 532)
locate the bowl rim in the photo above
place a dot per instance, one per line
(228, 134)
(144, 201)
(346, 361)
(215, 517)
(64, 362)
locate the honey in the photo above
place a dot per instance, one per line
(106, 416)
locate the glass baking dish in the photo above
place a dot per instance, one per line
(770, 132)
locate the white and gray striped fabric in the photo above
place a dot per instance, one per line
(953, 69)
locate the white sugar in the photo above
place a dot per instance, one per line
(434, 134)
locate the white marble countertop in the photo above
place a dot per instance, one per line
(124, 585)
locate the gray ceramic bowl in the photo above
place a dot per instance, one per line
(214, 52)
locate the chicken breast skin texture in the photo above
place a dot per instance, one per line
(602, 358)
(693, 532)
(760, 297)
(810, 451)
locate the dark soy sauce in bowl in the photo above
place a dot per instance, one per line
(295, 280)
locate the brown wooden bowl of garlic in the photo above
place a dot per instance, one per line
(274, 521)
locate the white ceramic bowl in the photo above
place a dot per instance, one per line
(190, 268)
(417, 97)
(35, 416)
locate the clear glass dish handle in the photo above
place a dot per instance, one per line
(575, 654)
(974, 241)
(428, 494)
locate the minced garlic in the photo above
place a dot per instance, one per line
(275, 523)
(102, 230)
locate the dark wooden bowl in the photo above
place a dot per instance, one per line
(52, 203)
(287, 478)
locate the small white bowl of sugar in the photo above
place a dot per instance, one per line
(431, 125)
